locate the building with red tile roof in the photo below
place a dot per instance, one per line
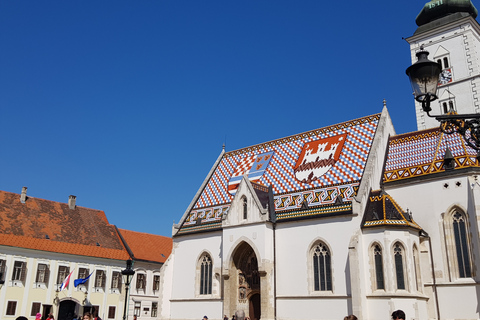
(42, 242)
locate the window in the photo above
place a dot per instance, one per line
(399, 254)
(136, 310)
(378, 259)
(439, 61)
(62, 273)
(445, 62)
(82, 274)
(156, 283)
(35, 308)
(111, 312)
(100, 279)
(448, 106)
(206, 275)
(244, 208)
(416, 264)
(141, 281)
(461, 245)
(154, 309)
(19, 271)
(2, 269)
(322, 273)
(43, 273)
(116, 280)
(11, 307)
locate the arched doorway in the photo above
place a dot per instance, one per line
(254, 307)
(67, 310)
(244, 282)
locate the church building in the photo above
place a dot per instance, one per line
(346, 219)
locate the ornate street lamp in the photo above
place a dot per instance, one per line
(423, 76)
(127, 275)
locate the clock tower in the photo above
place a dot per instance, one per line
(447, 29)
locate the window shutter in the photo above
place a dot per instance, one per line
(23, 272)
(47, 274)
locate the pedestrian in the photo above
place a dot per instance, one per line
(225, 317)
(205, 318)
(87, 316)
(50, 317)
(38, 316)
(350, 317)
(134, 317)
(398, 315)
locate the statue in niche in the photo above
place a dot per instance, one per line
(242, 293)
(241, 279)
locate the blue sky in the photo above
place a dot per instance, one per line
(126, 104)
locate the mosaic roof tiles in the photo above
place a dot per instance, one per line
(420, 153)
(279, 173)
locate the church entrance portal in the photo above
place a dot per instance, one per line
(254, 307)
(66, 310)
(244, 283)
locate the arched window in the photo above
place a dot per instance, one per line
(244, 208)
(322, 272)
(206, 275)
(461, 244)
(399, 260)
(445, 62)
(378, 260)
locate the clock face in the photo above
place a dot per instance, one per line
(445, 76)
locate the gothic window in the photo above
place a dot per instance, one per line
(461, 245)
(244, 208)
(399, 261)
(378, 261)
(448, 106)
(322, 273)
(205, 275)
(42, 273)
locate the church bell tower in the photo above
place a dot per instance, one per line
(447, 29)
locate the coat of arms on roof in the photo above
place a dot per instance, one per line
(318, 157)
(254, 166)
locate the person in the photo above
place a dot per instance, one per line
(134, 317)
(205, 318)
(350, 317)
(225, 317)
(38, 316)
(50, 317)
(87, 316)
(398, 315)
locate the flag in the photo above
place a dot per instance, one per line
(66, 282)
(78, 282)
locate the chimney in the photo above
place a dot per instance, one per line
(71, 202)
(23, 196)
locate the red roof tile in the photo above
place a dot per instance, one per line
(71, 231)
(148, 247)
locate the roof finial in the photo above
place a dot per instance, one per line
(384, 103)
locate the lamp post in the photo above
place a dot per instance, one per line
(128, 274)
(423, 76)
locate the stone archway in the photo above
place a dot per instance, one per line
(242, 288)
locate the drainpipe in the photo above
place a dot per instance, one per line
(424, 234)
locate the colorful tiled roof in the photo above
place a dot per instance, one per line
(383, 210)
(52, 226)
(319, 167)
(421, 153)
(148, 247)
